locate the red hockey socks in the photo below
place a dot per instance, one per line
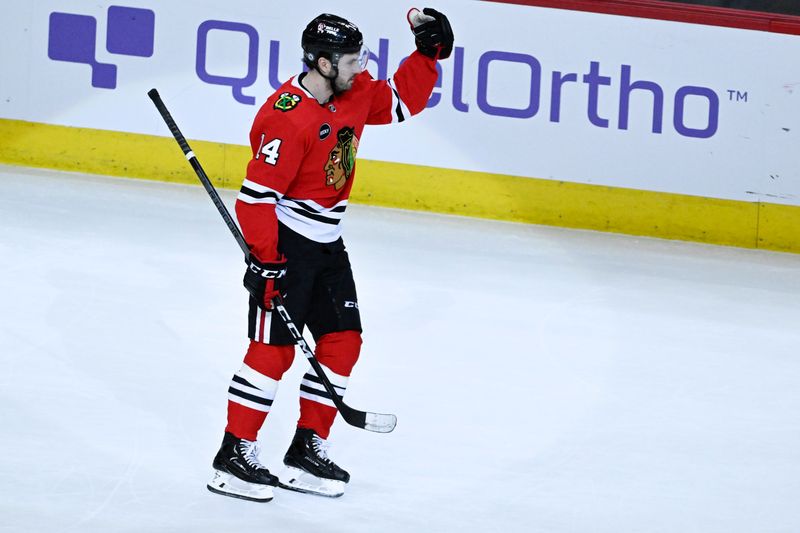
(253, 387)
(337, 353)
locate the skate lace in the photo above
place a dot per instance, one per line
(321, 446)
(249, 451)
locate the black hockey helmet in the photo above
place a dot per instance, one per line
(330, 36)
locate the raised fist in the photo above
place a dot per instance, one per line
(432, 32)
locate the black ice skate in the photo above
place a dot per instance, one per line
(237, 472)
(308, 468)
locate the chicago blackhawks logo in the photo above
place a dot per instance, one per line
(287, 102)
(342, 158)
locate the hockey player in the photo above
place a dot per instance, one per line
(290, 207)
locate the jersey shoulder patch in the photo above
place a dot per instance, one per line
(287, 101)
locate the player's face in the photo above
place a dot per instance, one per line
(349, 68)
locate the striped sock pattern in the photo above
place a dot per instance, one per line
(252, 389)
(311, 388)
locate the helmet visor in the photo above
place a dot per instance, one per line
(363, 57)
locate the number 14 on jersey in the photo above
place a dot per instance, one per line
(269, 150)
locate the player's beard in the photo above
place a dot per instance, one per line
(340, 86)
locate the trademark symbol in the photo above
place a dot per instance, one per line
(737, 96)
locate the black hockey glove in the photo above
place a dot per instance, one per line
(432, 31)
(265, 281)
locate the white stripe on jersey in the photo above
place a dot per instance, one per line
(296, 84)
(253, 193)
(266, 318)
(399, 110)
(311, 220)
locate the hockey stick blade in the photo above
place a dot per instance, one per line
(376, 422)
(379, 423)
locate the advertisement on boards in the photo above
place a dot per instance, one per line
(531, 92)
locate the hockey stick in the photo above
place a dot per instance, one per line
(380, 423)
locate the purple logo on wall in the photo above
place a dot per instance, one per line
(73, 38)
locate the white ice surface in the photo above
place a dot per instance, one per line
(545, 380)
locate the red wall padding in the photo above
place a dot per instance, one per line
(654, 9)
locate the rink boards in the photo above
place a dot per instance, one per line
(564, 118)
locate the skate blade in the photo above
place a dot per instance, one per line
(301, 481)
(229, 485)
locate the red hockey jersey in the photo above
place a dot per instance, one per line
(304, 152)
